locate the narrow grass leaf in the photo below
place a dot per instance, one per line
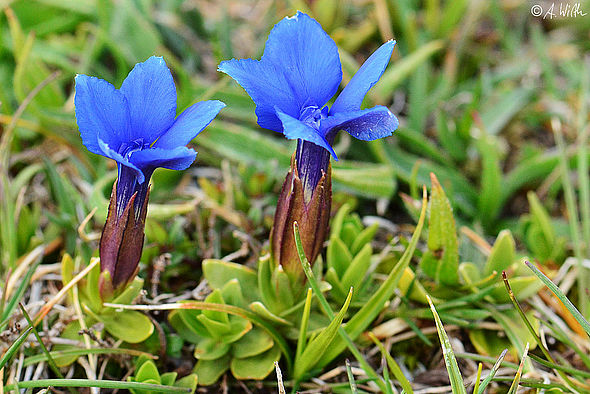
(14, 347)
(351, 381)
(103, 384)
(303, 327)
(493, 371)
(532, 330)
(457, 384)
(393, 366)
(478, 378)
(50, 360)
(562, 297)
(314, 350)
(516, 381)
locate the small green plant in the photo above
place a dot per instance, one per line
(146, 371)
(224, 341)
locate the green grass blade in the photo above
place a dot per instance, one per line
(50, 360)
(532, 330)
(493, 371)
(516, 381)
(314, 350)
(303, 327)
(572, 211)
(393, 366)
(351, 381)
(103, 384)
(14, 347)
(457, 384)
(562, 297)
(478, 378)
(569, 370)
(18, 294)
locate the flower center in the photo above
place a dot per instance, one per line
(127, 148)
(312, 115)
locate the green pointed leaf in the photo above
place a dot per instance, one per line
(283, 286)
(443, 261)
(338, 220)
(318, 346)
(148, 371)
(255, 341)
(337, 289)
(90, 290)
(502, 255)
(457, 383)
(232, 293)
(489, 201)
(215, 328)
(356, 271)
(216, 298)
(365, 237)
(260, 309)
(168, 378)
(265, 285)
(257, 367)
(130, 293)
(338, 256)
(349, 233)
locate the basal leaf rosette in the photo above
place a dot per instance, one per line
(225, 341)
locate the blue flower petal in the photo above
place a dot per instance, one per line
(352, 95)
(179, 158)
(151, 95)
(189, 123)
(107, 151)
(308, 56)
(367, 125)
(295, 129)
(267, 86)
(300, 67)
(101, 114)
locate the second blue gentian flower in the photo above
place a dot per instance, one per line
(137, 127)
(291, 84)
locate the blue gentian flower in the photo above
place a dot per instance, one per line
(137, 127)
(298, 74)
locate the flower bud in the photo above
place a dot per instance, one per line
(305, 198)
(121, 242)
